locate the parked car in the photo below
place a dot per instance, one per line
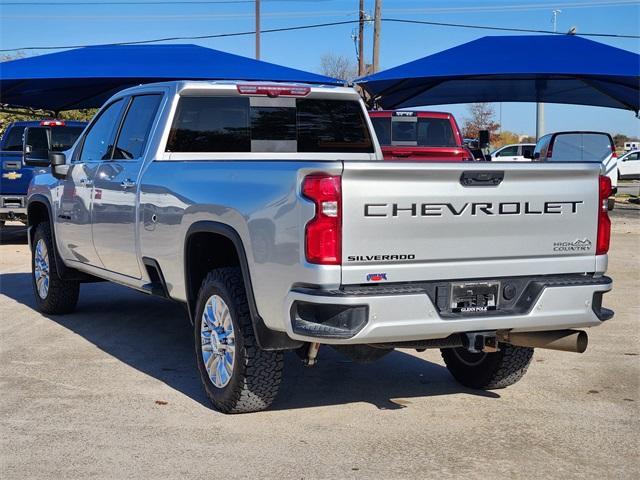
(629, 166)
(404, 134)
(268, 211)
(580, 146)
(15, 175)
(517, 152)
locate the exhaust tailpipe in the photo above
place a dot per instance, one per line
(564, 340)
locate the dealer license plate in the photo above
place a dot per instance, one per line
(474, 297)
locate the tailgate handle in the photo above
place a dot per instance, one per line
(481, 179)
(12, 165)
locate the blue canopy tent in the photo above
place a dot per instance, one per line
(86, 77)
(530, 68)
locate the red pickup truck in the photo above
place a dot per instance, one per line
(414, 135)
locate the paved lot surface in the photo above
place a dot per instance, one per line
(111, 392)
(629, 187)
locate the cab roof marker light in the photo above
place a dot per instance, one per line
(274, 90)
(52, 123)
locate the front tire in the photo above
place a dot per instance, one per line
(488, 370)
(53, 295)
(237, 375)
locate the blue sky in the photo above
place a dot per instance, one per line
(54, 24)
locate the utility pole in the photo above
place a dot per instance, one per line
(257, 29)
(540, 106)
(377, 25)
(361, 39)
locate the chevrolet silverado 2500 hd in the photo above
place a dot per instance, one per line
(267, 210)
(15, 175)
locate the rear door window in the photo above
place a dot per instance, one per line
(258, 124)
(511, 151)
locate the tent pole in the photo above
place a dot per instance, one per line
(539, 120)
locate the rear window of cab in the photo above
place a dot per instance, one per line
(414, 131)
(210, 124)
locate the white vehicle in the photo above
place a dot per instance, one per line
(517, 152)
(629, 166)
(580, 147)
(631, 146)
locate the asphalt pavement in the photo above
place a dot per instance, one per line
(111, 391)
(629, 188)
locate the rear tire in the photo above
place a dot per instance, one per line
(53, 295)
(488, 370)
(238, 376)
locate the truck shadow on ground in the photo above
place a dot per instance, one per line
(13, 235)
(154, 336)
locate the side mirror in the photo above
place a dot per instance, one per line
(536, 156)
(58, 162)
(483, 138)
(36, 146)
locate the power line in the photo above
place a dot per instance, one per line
(530, 6)
(155, 2)
(196, 37)
(504, 29)
(318, 25)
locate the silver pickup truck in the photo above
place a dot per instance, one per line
(267, 210)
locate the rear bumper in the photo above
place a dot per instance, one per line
(410, 312)
(13, 206)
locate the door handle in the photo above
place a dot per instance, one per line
(127, 183)
(86, 182)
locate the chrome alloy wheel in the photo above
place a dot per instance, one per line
(41, 268)
(218, 341)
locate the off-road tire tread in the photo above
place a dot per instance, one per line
(498, 370)
(261, 370)
(63, 294)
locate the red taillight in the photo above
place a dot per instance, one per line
(550, 150)
(274, 90)
(52, 123)
(604, 223)
(323, 236)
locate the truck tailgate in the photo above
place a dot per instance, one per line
(406, 221)
(15, 175)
